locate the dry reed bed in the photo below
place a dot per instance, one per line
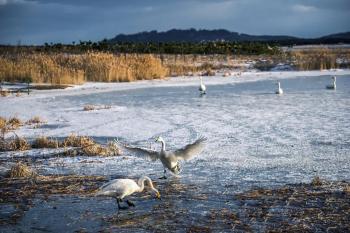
(317, 206)
(62, 68)
(91, 107)
(306, 59)
(320, 206)
(7, 125)
(320, 58)
(74, 145)
(13, 123)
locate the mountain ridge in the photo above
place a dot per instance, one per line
(204, 35)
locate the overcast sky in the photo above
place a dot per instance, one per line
(39, 21)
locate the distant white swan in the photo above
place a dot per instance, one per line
(202, 87)
(120, 188)
(169, 159)
(333, 86)
(279, 91)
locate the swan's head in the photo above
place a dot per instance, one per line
(278, 83)
(150, 184)
(154, 190)
(334, 78)
(159, 139)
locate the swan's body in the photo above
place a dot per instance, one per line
(121, 188)
(170, 159)
(333, 86)
(279, 91)
(202, 87)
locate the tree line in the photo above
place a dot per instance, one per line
(201, 48)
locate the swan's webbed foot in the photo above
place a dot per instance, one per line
(119, 206)
(130, 203)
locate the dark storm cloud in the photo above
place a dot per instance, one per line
(42, 21)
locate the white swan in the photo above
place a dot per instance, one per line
(169, 159)
(202, 87)
(120, 188)
(279, 91)
(333, 86)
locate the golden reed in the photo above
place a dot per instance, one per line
(63, 68)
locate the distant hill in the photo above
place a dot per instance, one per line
(193, 35)
(344, 35)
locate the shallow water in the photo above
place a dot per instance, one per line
(255, 138)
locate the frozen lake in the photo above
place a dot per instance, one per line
(255, 137)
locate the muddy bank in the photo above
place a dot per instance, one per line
(316, 206)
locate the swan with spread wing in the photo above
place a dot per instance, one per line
(169, 159)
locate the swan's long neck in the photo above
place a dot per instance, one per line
(201, 80)
(163, 145)
(279, 86)
(141, 183)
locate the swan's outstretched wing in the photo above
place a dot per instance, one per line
(141, 152)
(191, 150)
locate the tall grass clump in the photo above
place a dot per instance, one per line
(21, 170)
(3, 127)
(321, 59)
(38, 68)
(90, 147)
(44, 142)
(62, 68)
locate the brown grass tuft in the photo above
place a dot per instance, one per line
(44, 142)
(18, 143)
(4, 93)
(316, 181)
(20, 170)
(89, 107)
(14, 123)
(347, 188)
(89, 147)
(35, 121)
(3, 127)
(74, 140)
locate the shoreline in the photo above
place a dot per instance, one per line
(178, 81)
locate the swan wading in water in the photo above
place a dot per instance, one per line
(279, 91)
(121, 188)
(202, 87)
(333, 86)
(170, 159)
